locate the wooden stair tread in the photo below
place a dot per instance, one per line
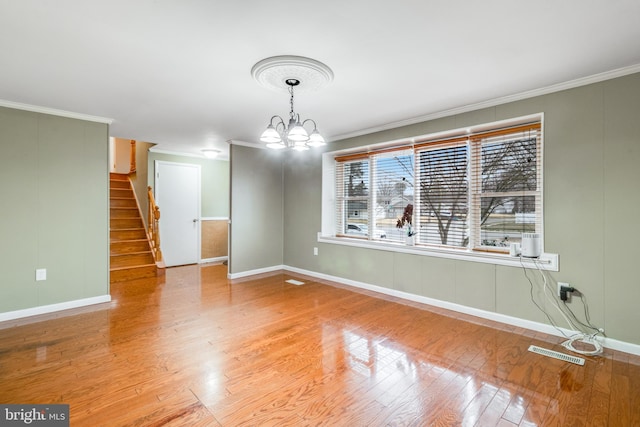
(131, 253)
(129, 247)
(132, 267)
(129, 229)
(138, 231)
(124, 223)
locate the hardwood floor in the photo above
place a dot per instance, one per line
(195, 349)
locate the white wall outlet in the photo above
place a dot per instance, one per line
(561, 284)
(315, 251)
(41, 274)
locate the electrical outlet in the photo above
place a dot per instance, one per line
(315, 251)
(560, 285)
(41, 274)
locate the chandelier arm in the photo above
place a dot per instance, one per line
(280, 127)
(279, 118)
(315, 126)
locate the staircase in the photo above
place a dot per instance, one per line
(130, 252)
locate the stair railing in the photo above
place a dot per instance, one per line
(154, 226)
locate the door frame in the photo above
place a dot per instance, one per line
(156, 191)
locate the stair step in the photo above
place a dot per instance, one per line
(129, 246)
(130, 273)
(117, 202)
(121, 193)
(118, 176)
(117, 183)
(127, 234)
(120, 223)
(125, 223)
(132, 260)
(124, 212)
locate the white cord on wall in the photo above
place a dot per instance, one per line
(588, 339)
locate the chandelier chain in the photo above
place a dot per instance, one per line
(291, 113)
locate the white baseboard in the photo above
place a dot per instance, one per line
(217, 259)
(51, 308)
(502, 318)
(256, 271)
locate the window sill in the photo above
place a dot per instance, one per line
(545, 262)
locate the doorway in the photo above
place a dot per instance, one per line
(177, 192)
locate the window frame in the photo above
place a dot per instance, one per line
(330, 198)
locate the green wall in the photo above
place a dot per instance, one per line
(53, 209)
(256, 237)
(591, 208)
(214, 175)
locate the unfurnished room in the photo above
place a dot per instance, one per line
(338, 213)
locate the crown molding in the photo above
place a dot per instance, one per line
(54, 112)
(583, 81)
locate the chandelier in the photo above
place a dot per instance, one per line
(289, 72)
(293, 135)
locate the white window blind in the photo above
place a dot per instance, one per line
(352, 197)
(444, 192)
(507, 196)
(393, 181)
(477, 191)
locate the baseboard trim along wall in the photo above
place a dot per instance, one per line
(52, 308)
(216, 259)
(257, 271)
(509, 320)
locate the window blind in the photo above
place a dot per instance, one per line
(393, 181)
(507, 195)
(352, 197)
(444, 193)
(479, 191)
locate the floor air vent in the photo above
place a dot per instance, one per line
(556, 355)
(294, 282)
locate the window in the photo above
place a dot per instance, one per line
(372, 191)
(444, 193)
(352, 210)
(507, 197)
(478, 191)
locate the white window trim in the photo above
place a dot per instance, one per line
(547, 261)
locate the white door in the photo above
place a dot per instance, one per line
(177, 193)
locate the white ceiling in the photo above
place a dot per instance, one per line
(178, 72)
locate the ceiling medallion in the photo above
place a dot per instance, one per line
(274, 72)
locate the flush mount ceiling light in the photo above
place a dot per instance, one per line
(289, 72)
(210, 153)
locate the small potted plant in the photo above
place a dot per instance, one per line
(406, 219)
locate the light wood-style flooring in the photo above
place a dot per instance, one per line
(195, 349)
